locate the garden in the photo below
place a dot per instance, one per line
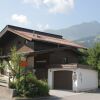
(22, 81)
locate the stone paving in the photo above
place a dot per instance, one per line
(91, 95)
(85, 96)
(67, 95)
(62, 93)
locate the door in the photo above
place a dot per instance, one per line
(63, 80)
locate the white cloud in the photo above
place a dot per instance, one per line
(22, 19)
(42, 27)
(53, 6)
(59, 6)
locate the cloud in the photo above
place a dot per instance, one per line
(59, 6)
(53, 6)
(22, 19)
(42, 27)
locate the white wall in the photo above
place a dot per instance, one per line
(86, 80)
(50, 78)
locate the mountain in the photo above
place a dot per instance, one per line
(79, 31)
(89, 41)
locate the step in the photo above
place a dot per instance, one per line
(6, 92)
(4, 81)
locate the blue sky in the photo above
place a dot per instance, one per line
(48, 14)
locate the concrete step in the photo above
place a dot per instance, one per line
(4, 84)
(6, 92)
(4, 80)
(3, 98)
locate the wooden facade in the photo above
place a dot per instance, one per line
(42, 54)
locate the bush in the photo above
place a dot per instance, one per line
(30, 86)
(43, 88)
(12, 85)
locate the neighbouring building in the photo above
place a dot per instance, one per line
(50, 57)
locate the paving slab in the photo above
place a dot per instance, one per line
(85, 96)
(65, 95)
(62, 93)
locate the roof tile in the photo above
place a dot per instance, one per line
(38, 37)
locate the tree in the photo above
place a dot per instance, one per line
(25, 83)
(93, 56)
(2, 67)
(82, 59)
(14, 62)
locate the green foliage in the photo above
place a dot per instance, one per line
(93, 58)
(12, 85)
(30, 86)
(83, 57)
(15, 60)
(25, 83)
(43, 88)
(1, 67)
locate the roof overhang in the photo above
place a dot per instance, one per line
(29, 36)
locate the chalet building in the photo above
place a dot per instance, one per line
(49, 56)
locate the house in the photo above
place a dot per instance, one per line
(49, 56)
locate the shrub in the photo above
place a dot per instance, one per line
(12, 85)
(26, 84)
(43, 88)
(30, 86)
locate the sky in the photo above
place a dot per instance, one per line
(48, 14)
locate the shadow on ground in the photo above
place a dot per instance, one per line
(42, 98)
(97, 91)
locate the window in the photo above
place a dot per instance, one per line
(66, 60)
(41, 61)
(19, 42)
(26, 42)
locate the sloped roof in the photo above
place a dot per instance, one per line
(39, 37)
